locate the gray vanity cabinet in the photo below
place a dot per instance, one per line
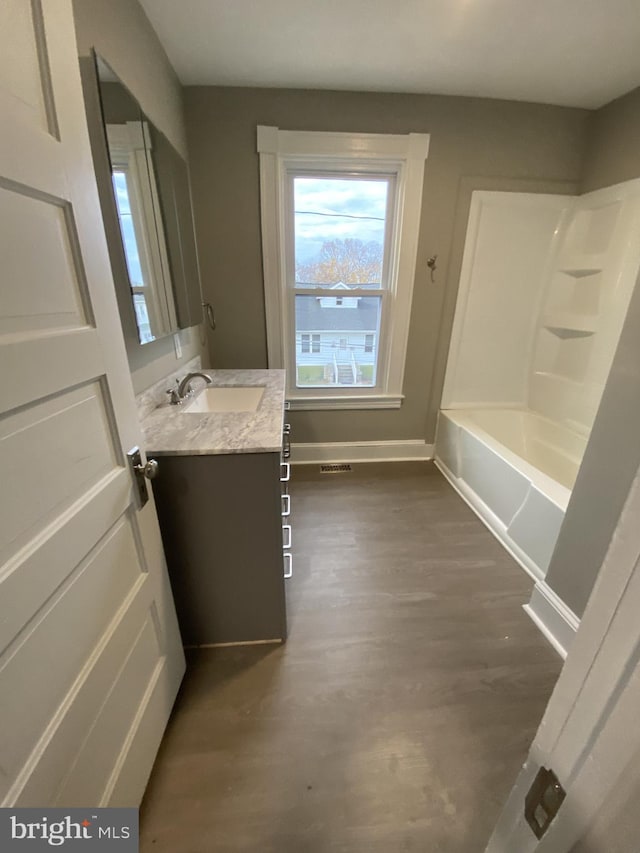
(220, 517)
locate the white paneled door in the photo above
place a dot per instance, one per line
(589, 735)
(90, 653)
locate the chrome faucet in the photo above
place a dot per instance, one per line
(177, 395)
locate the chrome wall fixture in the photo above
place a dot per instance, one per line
(431, 263)
(209, 315)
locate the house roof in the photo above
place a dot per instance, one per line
(312, 317)
(373, 285)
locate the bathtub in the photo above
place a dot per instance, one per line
(516, 469)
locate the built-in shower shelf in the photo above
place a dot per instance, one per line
(567, 325)
(581, 264)
(580, 272)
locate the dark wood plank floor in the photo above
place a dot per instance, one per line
(397, 715)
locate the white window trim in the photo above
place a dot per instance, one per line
(129, 146)
(405, 154)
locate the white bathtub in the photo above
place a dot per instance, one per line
(516, 469)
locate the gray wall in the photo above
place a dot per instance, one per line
(613, 152)
(475, 143)
(121, 33)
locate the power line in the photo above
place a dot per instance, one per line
(342, 215)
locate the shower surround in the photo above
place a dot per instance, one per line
(544, 290)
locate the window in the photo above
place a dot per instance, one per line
(309, 343)
(145, 255)
(340, 212)
(123, 196)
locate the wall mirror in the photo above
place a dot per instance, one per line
(147, 213)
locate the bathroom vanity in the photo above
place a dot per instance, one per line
(222, 498)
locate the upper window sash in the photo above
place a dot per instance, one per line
(389, 172)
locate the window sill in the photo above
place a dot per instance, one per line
(375, 401)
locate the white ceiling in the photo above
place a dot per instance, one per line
(577, 53)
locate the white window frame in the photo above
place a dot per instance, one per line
(400, 156)
(129, 146)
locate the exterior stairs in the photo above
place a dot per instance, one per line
(345, 374)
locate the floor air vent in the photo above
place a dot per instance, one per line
(335, 469)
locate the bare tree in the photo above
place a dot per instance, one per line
(351, 261)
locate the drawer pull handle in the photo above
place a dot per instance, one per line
(286, 528)
(288, 565)
(286, 508)
(284, 478)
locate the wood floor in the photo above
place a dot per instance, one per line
(397, 715)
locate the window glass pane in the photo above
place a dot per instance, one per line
(339, 226)
(337, 345)
(125, 216)
(142, 318)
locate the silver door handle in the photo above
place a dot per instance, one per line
(286, 509)
(288, 563)
(287, 472)
(141, 473)
(286, 545)
(150, 470)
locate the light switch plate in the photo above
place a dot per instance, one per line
(177, 344)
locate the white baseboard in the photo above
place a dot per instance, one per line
(361, 451)
(557, 622)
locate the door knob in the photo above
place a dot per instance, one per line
(140, 472)
(150, 470)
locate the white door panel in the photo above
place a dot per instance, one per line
(90, 654)
(65, 745)
(28, 223)
(589, 733)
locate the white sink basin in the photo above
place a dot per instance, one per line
(226, 399)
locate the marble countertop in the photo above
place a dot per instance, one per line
(170, 431)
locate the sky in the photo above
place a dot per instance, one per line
(339, 200)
